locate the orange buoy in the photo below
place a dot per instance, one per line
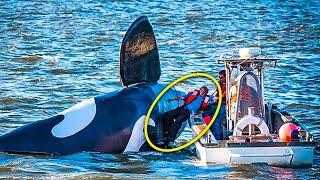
(288, 131)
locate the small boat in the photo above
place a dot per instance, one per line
(255, 130)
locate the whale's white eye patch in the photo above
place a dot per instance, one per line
(75, 119)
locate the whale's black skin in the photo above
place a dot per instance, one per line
(109, 131)
(109, 123)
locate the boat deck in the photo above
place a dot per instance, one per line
(233, 144)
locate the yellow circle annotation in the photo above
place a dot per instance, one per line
(187, 76)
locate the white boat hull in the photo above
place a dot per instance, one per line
(278, 156)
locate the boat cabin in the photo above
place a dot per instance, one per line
(245, 89)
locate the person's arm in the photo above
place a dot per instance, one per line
(216, 94)
(180, 97)
(212, 99)
(177, 99)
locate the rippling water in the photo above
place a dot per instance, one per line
(57, 53)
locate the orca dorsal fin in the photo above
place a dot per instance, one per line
(139, 57)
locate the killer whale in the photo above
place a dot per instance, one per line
(112, 122)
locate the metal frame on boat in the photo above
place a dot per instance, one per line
(252, 124)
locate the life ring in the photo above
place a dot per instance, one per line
(260, 123)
